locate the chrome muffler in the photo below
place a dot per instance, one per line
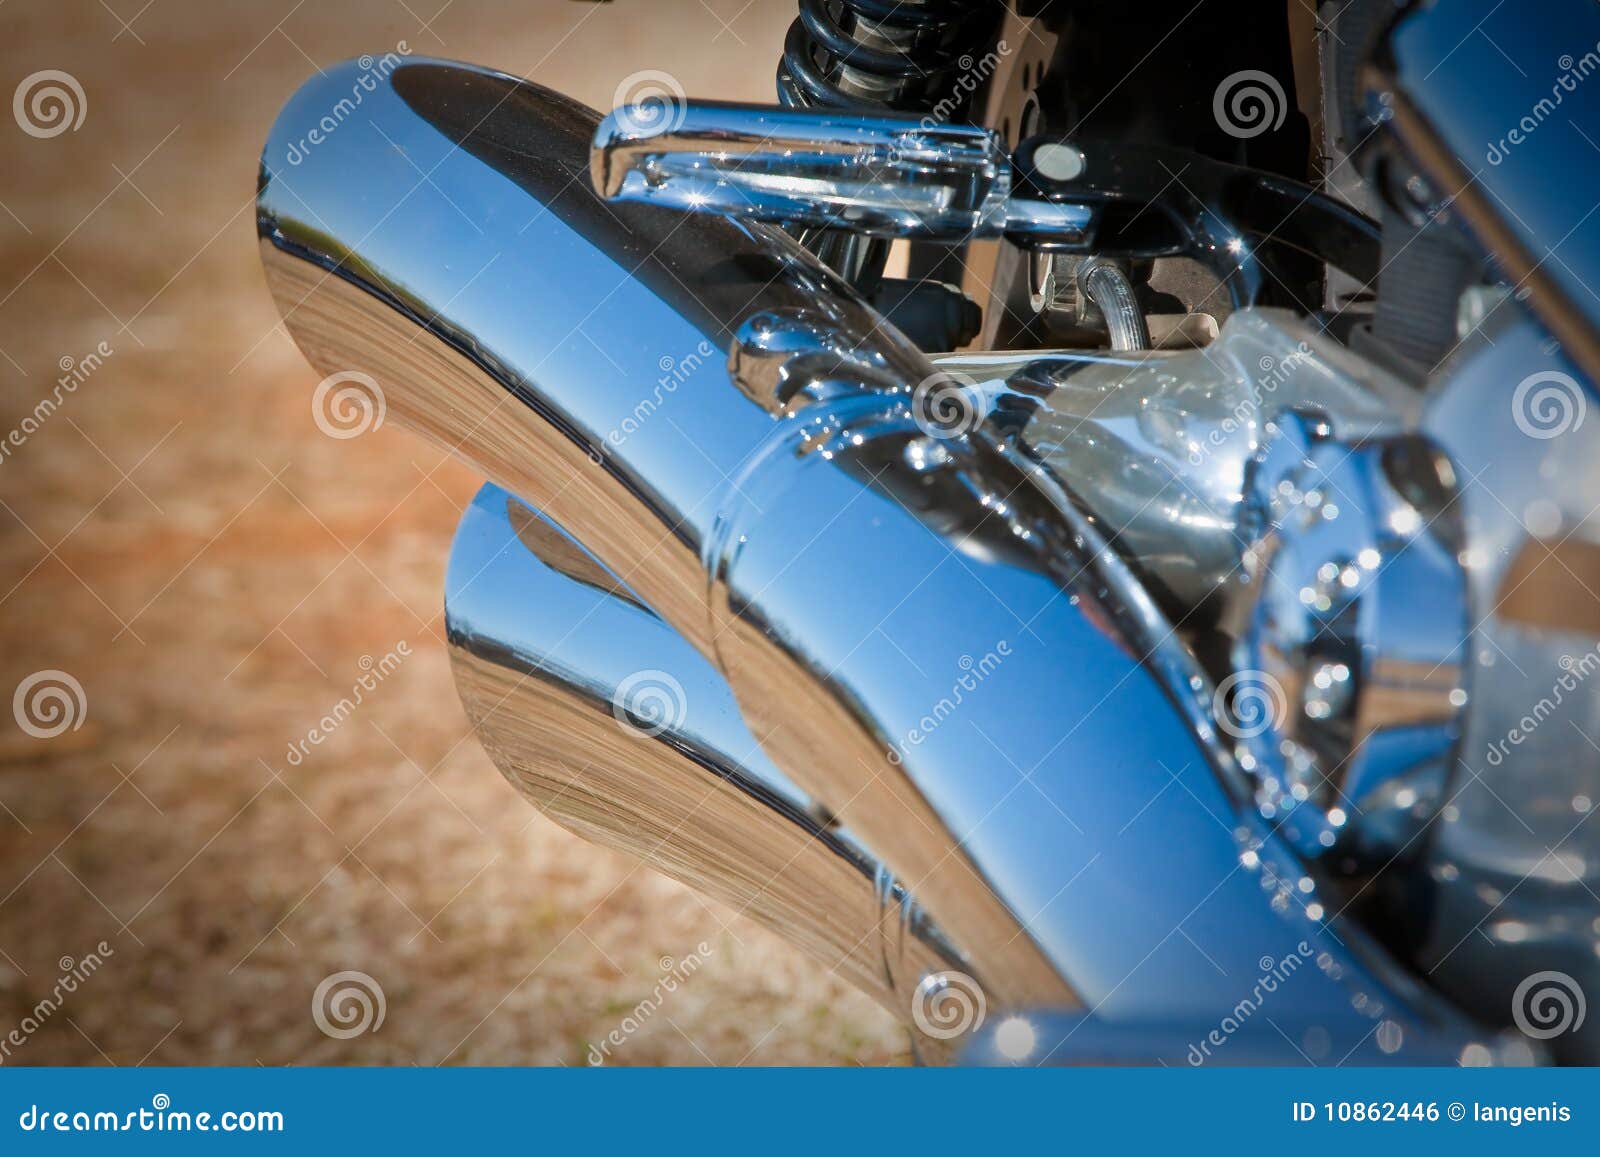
(923, 630)
(611, 724)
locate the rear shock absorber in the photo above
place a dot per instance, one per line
(904, 55)
(910, 56)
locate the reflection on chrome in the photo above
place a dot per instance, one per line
(1255, 1033)
(897, 177)
(1156, 444)
(1510, 874)
(545, 641)
(1077, 824)
(874, 175)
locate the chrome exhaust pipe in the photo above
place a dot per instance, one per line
(914, 618)
(556, 343)
(641, 748)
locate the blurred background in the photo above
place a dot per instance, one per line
(192, 575)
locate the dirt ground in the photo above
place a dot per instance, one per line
(179, 540)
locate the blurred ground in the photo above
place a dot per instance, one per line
(181, 540)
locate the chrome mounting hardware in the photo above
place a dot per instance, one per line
(899, 177)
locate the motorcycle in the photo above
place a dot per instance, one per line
(1088, 538)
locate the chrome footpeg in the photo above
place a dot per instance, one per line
(887, 176)
(882, 176)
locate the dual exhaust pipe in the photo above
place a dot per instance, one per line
(940, 670)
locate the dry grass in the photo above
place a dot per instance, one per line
(182, 539)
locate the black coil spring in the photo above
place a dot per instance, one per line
(886, 54)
